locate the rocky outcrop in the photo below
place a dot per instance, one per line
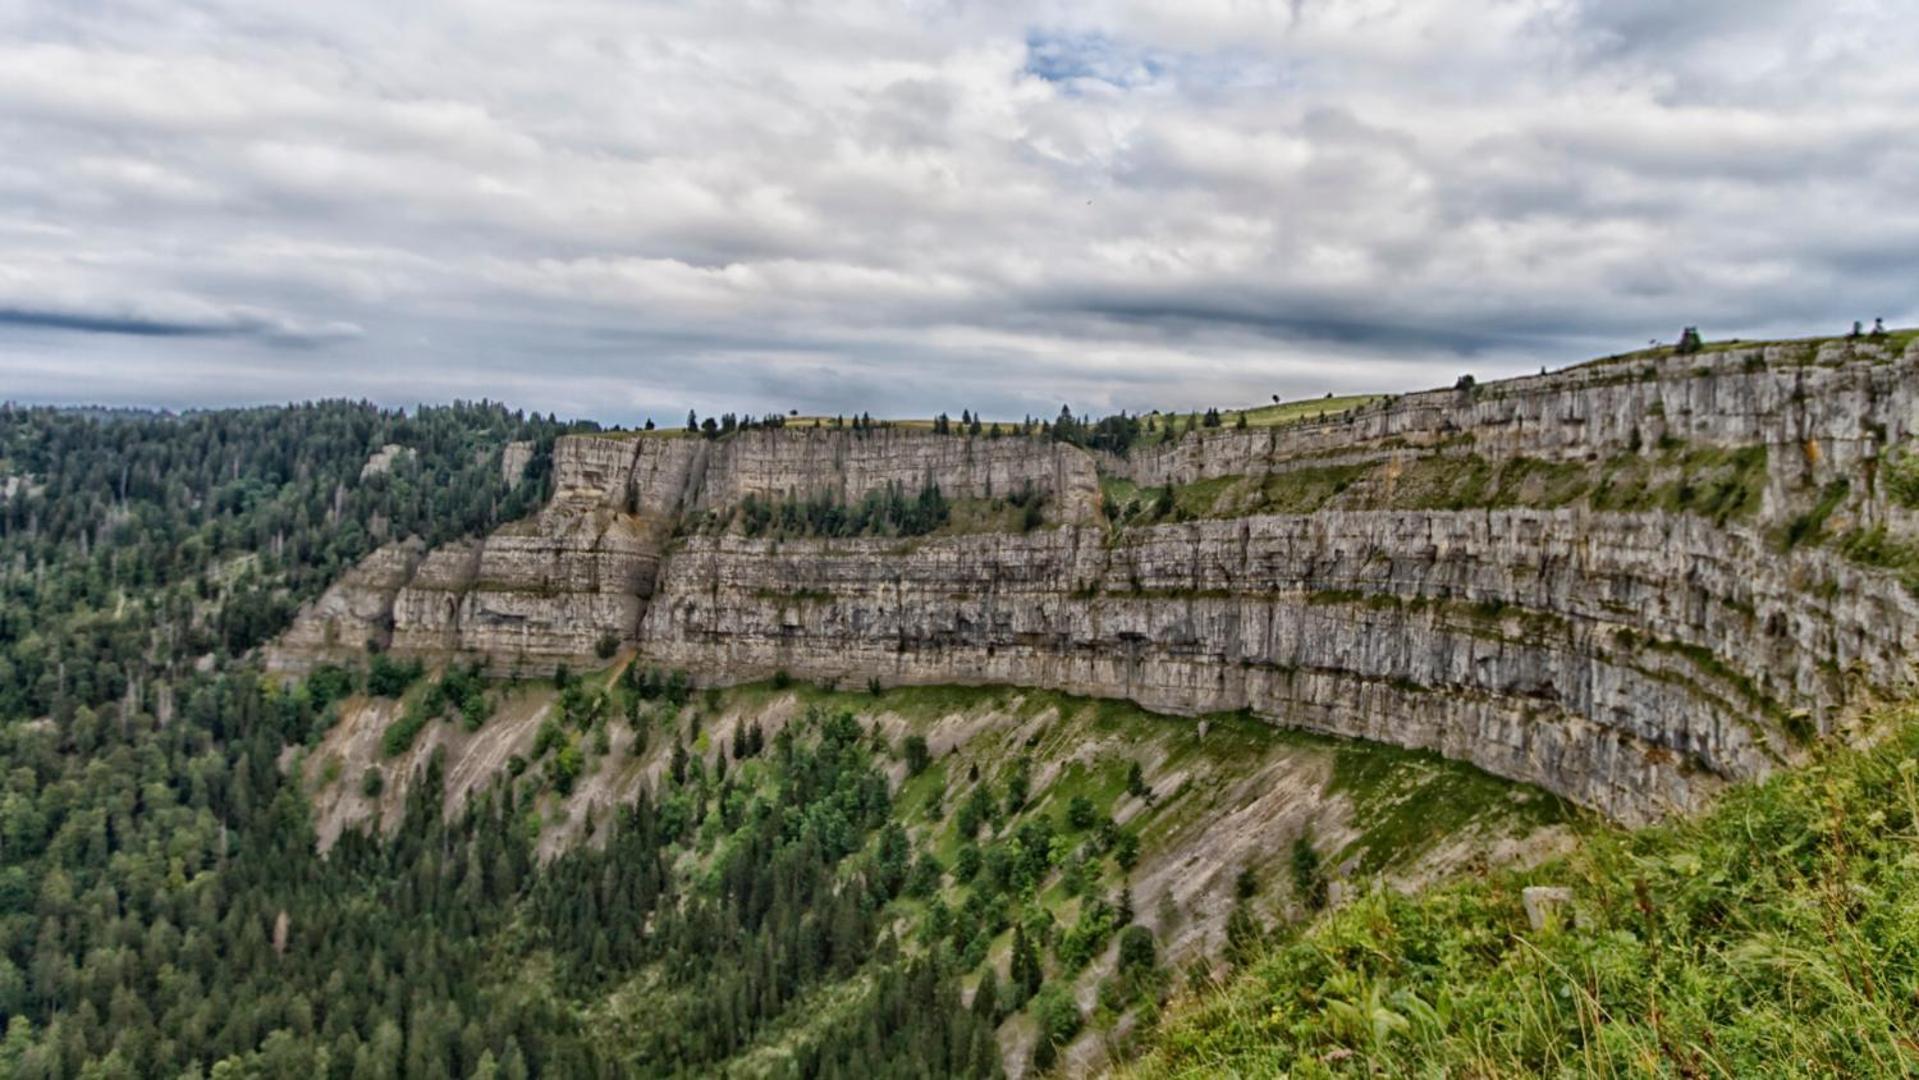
(514, 458)
(804, 461)
(1633, 661)
(381, 461)
(1834, 407)
(558, 586)
(355, 613)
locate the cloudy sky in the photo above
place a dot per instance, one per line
(625, 209)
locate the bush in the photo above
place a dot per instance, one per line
(918, 757)
(1136, 782)
(372, 783)
(608, 644)
(1137, 953)
(1246, 885)
(398, 737)
(966, 863)
(1056, 1015)
(1080, 813)
(327, 684)
(390, 678)
(566, 767)
(1309, 879)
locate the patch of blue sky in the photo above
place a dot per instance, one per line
(1073, 60)
(1068, 58)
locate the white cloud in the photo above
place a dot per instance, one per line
(630, 208)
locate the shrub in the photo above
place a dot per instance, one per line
(1901, 472)
(1309, 878)
(1080, 813)
(1057, 1017)
(327, 684)
(372, 783)
(398, 737)
(966, 863)
(566, 767)
(390, 678)
(918, 757)
(1137, 953)
(1136, 782)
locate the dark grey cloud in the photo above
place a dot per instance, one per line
(104, 324)
(627, 209)
(264, 329)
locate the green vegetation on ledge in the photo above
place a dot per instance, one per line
(1719, 483)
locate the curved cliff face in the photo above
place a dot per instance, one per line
(1607, 581)
(1629, 662)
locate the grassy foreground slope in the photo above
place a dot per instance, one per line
(1778, 935)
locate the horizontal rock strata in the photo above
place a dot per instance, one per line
(1634, 662)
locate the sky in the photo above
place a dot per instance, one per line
(628, 209)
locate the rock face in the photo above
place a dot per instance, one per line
(381, 461)
(1633, 661)
(355, 611)
(801, 461)
(513, 461)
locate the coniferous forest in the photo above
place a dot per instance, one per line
(163, 911)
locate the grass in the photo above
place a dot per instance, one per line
(1405, 801)
(1302, 491)
(1293, 412)
(1810, 527)
(1777, 935)
(1895, 341)
(1720, 483)
(1874, 548)
(1715, 482)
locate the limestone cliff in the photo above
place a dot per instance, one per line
(1613, 581)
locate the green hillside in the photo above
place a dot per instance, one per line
(1778, 935)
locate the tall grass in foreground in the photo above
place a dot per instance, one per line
(1778, 935)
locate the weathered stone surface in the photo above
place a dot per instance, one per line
(1633, 662)
(1559, 647)
(802, 461)
(381, 461)
(1545, 904)
(357, 609)
(1834, 409)
(513, 461)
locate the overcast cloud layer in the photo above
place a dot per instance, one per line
(625, 209)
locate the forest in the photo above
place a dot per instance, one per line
(163, 909)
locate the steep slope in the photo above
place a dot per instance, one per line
(1776, 936)
(1205, 810)
(1612, 581)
